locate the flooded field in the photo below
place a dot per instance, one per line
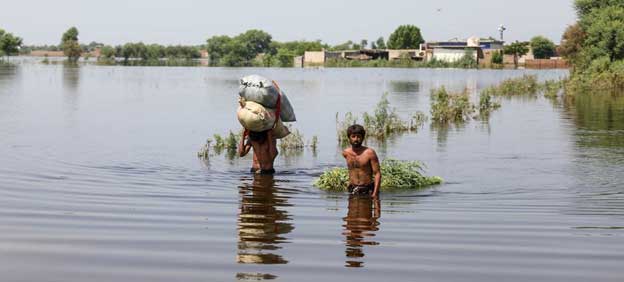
(100, 182)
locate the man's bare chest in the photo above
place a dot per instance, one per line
(357, 161)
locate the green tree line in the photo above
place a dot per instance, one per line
(595, 45)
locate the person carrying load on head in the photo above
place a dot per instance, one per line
(262, 127)
(363, 164)
(264, 150)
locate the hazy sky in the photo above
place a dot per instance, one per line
(332, 21)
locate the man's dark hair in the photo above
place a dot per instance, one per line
(356, 129)
(257, 136)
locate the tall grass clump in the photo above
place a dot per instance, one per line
(228, 143)
(450, 107)
(525, 85)
(296, 141)
(396, 175)
(381, 123)
(551, 88)
(486, 104)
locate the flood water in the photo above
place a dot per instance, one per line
(100, 182)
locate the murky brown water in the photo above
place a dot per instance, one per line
(100, 182)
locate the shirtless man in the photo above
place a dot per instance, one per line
(264, 147)
(363, 164)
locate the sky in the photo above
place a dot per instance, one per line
(191, 22)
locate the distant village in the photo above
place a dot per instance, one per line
(480, 49)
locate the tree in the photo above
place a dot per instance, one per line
(9, 44)
(405, 37)
(285, 57)
(70, 45)
(256, 40)
(595, 45)
(517, 49)
(571, 42)
(585, 7)
(363, 43)
(604, 33)
(240, 50)
(107, 52)
(217, 48)
(542, 47)
(381, 44)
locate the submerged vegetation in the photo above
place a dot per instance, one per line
(296, 141)
(396, 175)
(383, 122)
(526, 84)
(229, 144)
(221, 144)
(551, 88)
(450, 107)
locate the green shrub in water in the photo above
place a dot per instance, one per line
(384, 121)
(450, 107)
(551, 88)
(294, 141)
(527, 84)
(396, 175)
(486, 104)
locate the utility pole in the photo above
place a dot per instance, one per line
(501, 28)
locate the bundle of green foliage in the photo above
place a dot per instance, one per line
(396, 175)
(527, 84)
(450, 107)
(383, 122)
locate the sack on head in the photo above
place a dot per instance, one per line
(255, 117)
(263, 91)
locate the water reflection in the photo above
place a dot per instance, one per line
(360, 225)
(7, 76)
(597, 111)
(71, 76)
(404, 86)
(262, 223)
(598, 163)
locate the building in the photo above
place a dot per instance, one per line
(455, 49)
